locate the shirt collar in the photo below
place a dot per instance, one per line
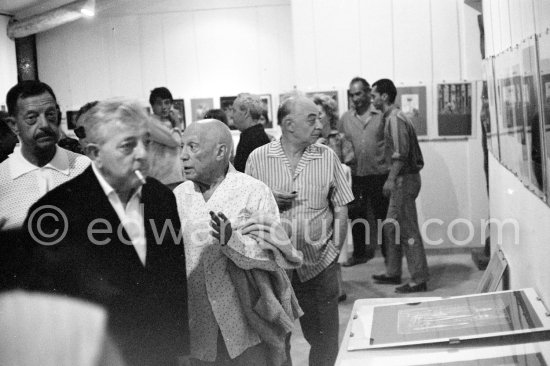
(19, 165)
(276, 150)
(107, 188)
(389, 111)
(371, 111)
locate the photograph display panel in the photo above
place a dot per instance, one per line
(489, 115)
(454, 112)
(199, 107)
(412, 101)
(530, 108)
(180, 107)
(530, 359)
(226, 104)
(266, 101)
(452, 319)
(71, 119)
(544, 64)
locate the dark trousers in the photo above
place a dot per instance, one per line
(370, 205)
(318, 298)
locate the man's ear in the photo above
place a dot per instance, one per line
(288, 124)
(92, 151)
(222, 152)
(12, 123)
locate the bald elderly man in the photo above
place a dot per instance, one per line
(215, 204)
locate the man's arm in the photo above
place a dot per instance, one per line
(400, 152)
(389, 185)
(340, 226)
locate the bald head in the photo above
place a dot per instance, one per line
(212, 132)
(207, 146)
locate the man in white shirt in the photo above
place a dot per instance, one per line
(110, 236)
(215, 191)
(37, 164)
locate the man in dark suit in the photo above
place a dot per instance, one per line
(112, 236)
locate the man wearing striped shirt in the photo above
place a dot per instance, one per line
(310, 188)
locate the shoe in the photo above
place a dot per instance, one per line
(354, 261)
(407, 288)
(387, 280)
(342, 297)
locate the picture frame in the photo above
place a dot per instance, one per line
(454, 109)
(412, 101)
(199, 106)
(179, 105)
(266, 101)
(71, 119)
(450, 320)
(226, 104)
(493, 274)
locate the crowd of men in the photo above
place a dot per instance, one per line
(201, 253)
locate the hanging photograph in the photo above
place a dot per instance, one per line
(267, 120)
(199, 107)
(520, 359)
(71, 119)
(457, 318)
(180, 107)
(544, 79)
(412, 100)
(226, 105)
(454, 113)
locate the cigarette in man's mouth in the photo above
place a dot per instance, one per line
(140, 176)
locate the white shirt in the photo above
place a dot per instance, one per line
(23, 183)
(130, 217)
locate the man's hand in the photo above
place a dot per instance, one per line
(284, 199)
(221, 226)
(389, 186)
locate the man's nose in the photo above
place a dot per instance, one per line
(141, 150)
(184, 156)
(318, 123)
(43, 121)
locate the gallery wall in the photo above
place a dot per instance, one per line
(415, 43)
(196, 49)
(213, 48)
(512, 27)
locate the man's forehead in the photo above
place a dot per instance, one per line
(126, 129)
(37, 100)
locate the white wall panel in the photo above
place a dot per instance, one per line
(488, 25)
(153, 53)
(376, 39)
(124, 48)
(303, 33)
(527, 12)
(412, 37)
(8, 62)
(516, 22)
(447, 41)
(505, 27)
(542, 15)
(470, 39)
(334, 22)
(275, 55)
(178, 42)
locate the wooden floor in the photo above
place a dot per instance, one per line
(452, 272)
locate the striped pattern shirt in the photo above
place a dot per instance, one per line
(320, 183)
(401, 141)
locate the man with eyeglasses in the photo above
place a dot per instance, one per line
(38, 164)
(111, 236)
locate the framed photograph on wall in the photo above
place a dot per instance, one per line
(543, 53)
(71, 119)
(199, 106)
(180, 107)
(226, 104)
(454, 109)
(266, 101)
(412, 100)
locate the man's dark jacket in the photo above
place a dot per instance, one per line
(147, 304)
